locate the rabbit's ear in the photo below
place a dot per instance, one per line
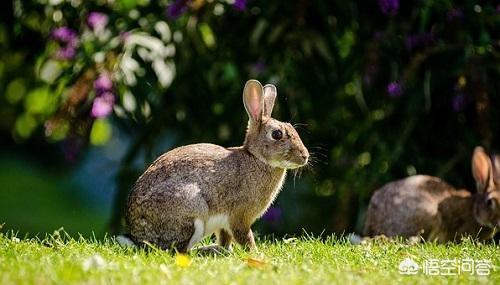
(269, 97)
(481, 169)
(253, 100)
(496, 167)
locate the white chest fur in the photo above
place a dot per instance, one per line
(215, 223)
(207, 227)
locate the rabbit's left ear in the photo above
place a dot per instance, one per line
(269, 98)
(253, 100)
(482, 169)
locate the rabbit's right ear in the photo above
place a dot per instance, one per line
(481, 169)
(253, 100)
(269, 98)
(496, 167)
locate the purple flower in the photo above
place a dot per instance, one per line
(176, 9)
(240, 5)
(272, 215)
(97, 20)
(64, 35)
(103, 83)
(124, 35)
(68, 40)
(66, 52)
(103, 105)
(394, 89)
(458, 102)
(389, 7)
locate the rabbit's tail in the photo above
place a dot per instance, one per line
(125, 241)
(354, 239)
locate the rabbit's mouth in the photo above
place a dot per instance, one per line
(286, 164)
(486, 223)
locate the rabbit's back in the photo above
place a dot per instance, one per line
(196, 163)
(407, 207)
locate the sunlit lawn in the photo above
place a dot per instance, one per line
(62, 260)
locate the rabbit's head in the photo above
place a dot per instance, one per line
(486, 172)
(271, 141)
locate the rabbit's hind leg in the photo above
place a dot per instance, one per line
(178, 218)
(183, 236)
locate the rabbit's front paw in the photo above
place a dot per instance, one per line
(245, 238)
(213, 249)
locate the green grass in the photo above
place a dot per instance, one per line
(58, 259)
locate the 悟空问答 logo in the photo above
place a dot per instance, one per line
(408, 267)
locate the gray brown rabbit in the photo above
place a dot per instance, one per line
(197, 190)
(429, 207)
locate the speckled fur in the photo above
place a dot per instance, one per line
(203, 180)
(427, 206)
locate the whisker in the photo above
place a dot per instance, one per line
(317, 157)
(309, 167)
(323, 154)
(316, 154)
(297, 125)
(302, 129)
(318, 149)
(294, 177)
(320, 146)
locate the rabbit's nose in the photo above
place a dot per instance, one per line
(305, 156)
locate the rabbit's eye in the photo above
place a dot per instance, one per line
(490, 203)
(277, 134)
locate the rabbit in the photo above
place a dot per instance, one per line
(429, 207)
(197, 190)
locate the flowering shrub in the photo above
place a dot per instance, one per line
(99, 61)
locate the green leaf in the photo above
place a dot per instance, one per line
(257, 32)
(40, 101)
(230, 72)
(128, 4)
(25, 125)
(101, 132)
(345, 43)
(15, 90)
(50, 71)
(207, 35)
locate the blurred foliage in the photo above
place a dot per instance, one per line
(381, 89)
(52, 204)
